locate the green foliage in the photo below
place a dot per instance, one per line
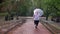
(52, 8)
(25, 7)
(3, 14)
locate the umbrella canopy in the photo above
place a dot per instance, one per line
(38, 11)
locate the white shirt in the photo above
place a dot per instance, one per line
(37, 14)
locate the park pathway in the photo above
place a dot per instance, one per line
(28, 28)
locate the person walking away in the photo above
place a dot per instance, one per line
(36, 16)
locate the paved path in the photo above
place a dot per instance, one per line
(28, 28)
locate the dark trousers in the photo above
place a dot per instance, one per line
(36, 22)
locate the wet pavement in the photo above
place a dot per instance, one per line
(29, 28)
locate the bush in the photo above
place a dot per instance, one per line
(55, 16)
(3, 14)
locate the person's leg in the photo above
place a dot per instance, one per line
(36, 23)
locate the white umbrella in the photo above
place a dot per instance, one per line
(39, 11)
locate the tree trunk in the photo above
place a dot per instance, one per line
(46, 17)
